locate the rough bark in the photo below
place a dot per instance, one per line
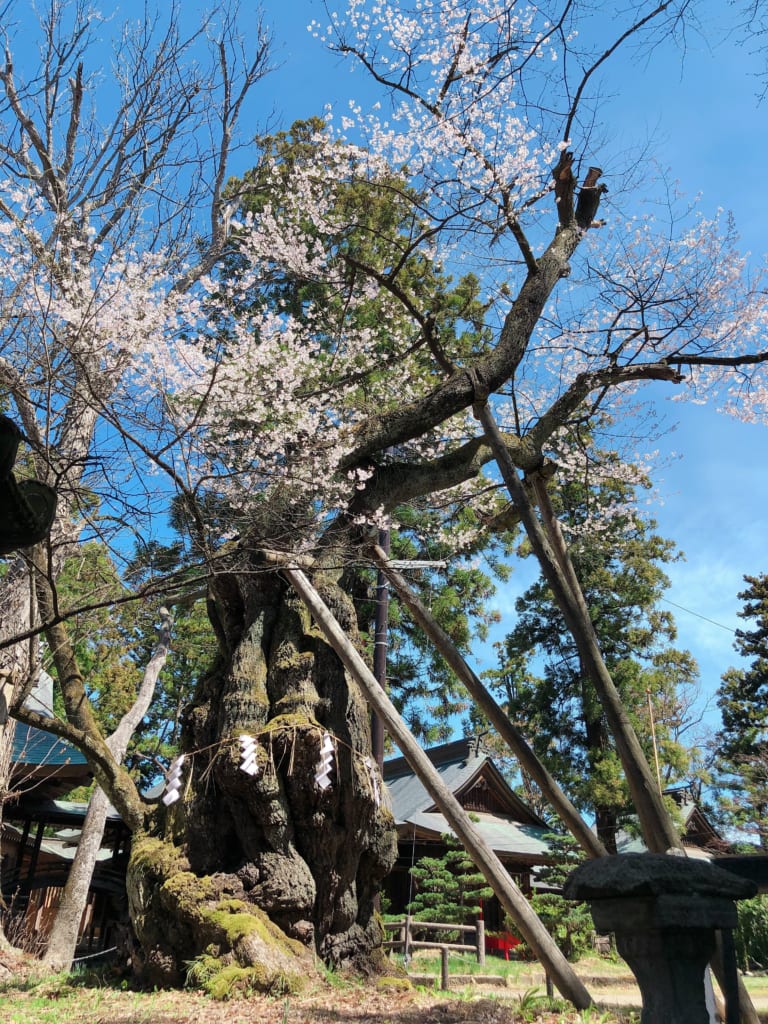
(63, 937)
(311, 860)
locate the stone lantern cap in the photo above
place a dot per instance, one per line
(664, 910)
(651, 875)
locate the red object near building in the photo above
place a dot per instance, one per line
(501, 944)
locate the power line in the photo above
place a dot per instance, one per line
(698, 615)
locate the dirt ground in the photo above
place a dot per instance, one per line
(331, 1006)
(26, 997)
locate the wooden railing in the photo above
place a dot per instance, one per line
(405, 942)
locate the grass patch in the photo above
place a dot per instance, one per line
(424, 962)
(58, 998)
(756, 984)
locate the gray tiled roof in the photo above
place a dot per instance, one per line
(459, 764)
(409, 795)
(504, 836)
(63, 848)
(516, 834)
(61, 812)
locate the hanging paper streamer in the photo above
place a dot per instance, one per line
(374, 777)
(249, 748)
(322, 775)
(172, 790)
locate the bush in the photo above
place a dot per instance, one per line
(448, 889)
(569, 923)
(751, 935)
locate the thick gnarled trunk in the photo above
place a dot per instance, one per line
(276, 843)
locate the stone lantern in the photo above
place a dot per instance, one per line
(664, 911)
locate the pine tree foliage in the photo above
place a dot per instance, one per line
(372, 222)
(542, 680)
(568, 922)
(751, 934)
(743, 701)
(449, 889)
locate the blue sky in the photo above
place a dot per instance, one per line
(708, 128)
(701, 114)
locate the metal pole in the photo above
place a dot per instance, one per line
(380, 651)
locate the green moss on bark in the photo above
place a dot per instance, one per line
(245, 931)
(235, 920)
(233, 981)
(153, 856)
(189, 893)
(390, 983)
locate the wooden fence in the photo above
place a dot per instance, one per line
(405, 942)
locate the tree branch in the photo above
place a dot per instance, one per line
(677, 359)
(129, 723)
(491, 371)
(632, 30)
(584, 383)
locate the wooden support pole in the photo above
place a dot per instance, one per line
(658, 829)
(380, 652)
(496, 715)
(486, 861)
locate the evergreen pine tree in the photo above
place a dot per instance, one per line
(743, 702)
(449, 889)
(618, 558)
(568, 922)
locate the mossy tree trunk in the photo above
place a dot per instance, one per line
(277, 844)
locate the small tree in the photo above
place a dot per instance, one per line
(743, 702)
(63, 938)
(449, 889)
(751, 935)
(569, 923)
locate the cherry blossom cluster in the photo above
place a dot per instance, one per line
(459, 118)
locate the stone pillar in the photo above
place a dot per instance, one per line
(664, 911)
